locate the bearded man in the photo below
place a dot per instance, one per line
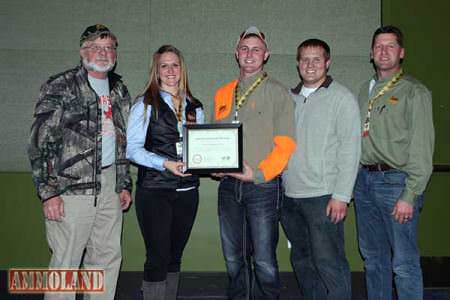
(77, 154)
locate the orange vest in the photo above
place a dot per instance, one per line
(284, 146)
(223, 101)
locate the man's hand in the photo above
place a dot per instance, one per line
(54, 208)
(176, 167)
(246, 175)
(125, 199)
(403, 211)
(336, 210)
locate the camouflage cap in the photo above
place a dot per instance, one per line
(94, 31)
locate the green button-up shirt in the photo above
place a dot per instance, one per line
(401, 131)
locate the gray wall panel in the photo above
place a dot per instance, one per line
(40, 38)
(215, 26)
(43, 24)
(21, 74)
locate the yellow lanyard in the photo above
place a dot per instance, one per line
(240, 100)
(383, 91)
(178, 112)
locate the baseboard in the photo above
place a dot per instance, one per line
(212, 285)
(435, 270)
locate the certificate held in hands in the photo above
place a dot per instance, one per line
(212, 148)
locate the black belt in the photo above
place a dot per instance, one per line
(377, 167)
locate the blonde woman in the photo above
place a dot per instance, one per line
(166, 198)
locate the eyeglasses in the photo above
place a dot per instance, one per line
(98, 48)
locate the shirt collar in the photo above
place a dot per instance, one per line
(244, 83)
(387, 79)
(167, 97)
(325, 84)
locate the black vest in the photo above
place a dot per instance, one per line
(162, 135)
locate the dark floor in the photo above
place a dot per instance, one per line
(211, 286)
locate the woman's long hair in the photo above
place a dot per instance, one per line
(151, 90)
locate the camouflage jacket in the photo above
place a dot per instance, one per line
(65, 142)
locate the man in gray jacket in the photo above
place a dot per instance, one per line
(320, 176)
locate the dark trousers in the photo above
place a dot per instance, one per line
(165, 218)
(318, 254)
(248, 217)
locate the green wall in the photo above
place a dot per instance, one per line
(24, 245)
(425, 25)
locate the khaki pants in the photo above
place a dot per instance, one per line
(94, 228)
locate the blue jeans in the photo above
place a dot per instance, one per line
(387, 246)
(318, 248)
(248, 217)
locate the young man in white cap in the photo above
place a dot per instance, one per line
(249, 201)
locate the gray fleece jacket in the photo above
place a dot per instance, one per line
(328, 138)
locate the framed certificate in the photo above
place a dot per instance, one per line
(212, 148)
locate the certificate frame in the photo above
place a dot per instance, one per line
(212, 148)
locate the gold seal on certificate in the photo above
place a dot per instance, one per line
(212, 148)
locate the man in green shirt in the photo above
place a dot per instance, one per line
(396, 164)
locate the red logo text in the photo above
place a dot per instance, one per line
(56, 281)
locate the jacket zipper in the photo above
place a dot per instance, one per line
(96, 148)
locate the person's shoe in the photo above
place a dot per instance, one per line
(154, 290)
(172, 285)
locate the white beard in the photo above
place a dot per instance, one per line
(91, 66)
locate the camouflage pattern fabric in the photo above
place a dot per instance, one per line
(65, 142)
